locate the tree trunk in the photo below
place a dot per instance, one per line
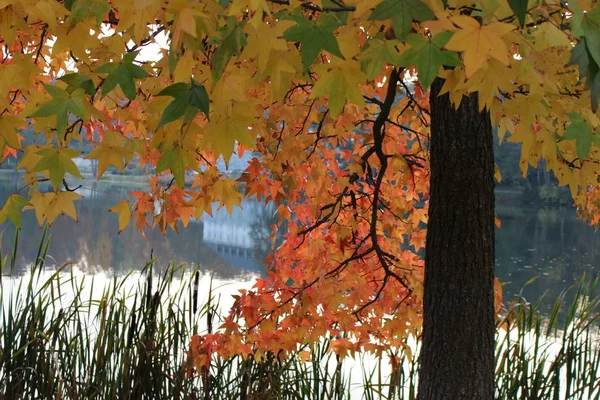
(457, 356)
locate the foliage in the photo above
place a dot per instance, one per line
(331, 95)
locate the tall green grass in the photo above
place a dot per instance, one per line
(63, 338)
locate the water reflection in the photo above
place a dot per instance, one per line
(549, 243)
(229, 245)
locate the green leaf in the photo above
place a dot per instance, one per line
(61, 105)
(582, 132)
(314, 37)
(174, 111)
(123, 74)
(57, 163)
(333, 19)
(175, 90)
(233, 40)
(590, 26)
(340, 85)
(187, 97)
(83, 9)
(589, 69)
(519, 7)
(402, 13)
(12, 209)
(175, 159)
(427, 55)
(78, 80)
(375, 53)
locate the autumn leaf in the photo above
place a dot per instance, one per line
(48, 206)
(122, 208)
(222, 134)
(339, 84)
(478, 42)
(111, 151)
(12, 209)
(9, 133)
(226, 193)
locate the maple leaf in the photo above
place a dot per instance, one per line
(263, 42)
(589, 69)
(48, 206)
(9, 135)
(519, 7)
(83, 9)
(12, 209)
(402, 13)
(588, 25)
(111, 151)
(580, 131)
(377, 52)
(174, 158)
(61, 105)
(78, 80)
(427, 55)
(122, 208)
(233, 38)
(478, 42)
(57, 162)
(122, 74)
(339, 84)
(188, 99)
(313, 37)
(226, 192)
(222, 134)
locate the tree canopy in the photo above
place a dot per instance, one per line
(332, 98)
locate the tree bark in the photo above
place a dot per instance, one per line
(457, 355)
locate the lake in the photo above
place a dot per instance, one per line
(548, 243)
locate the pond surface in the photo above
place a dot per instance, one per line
(548, 243)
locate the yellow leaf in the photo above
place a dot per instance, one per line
(478, 42)
(48, 206)
(226, 192)
(185, 67)
(124, 214)
(111, 151)
(265, 40)
(228, 128)
(340, 84)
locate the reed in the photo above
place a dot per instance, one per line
(62, 337)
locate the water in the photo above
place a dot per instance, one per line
(549, 244)
(231, 246)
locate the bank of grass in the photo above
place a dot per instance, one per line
(59, 340)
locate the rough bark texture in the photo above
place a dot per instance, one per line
(457, 357)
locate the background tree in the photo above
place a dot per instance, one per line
(333, 98)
